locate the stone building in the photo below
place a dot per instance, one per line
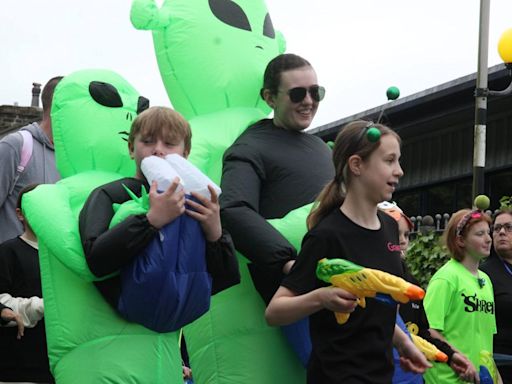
(13, 117)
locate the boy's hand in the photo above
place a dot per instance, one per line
(207, 213)
(8, 314)
(167, 206)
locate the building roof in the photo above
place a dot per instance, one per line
(441, 99)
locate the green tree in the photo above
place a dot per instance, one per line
(425, 256)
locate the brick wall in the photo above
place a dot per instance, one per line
(13, 117)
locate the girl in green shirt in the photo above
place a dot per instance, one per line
(459, 301)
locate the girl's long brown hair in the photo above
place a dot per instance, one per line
(350, 141)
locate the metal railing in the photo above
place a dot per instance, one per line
(438, 223)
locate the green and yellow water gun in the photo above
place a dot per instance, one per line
(430, 351)
(366, 282)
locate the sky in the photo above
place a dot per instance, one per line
(358, 48)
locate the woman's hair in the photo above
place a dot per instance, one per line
(279, 64)
(161, 122)
(352, 140)
(467, 218)
(501, 212)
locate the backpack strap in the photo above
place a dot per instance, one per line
(26, 153)
(26, 149)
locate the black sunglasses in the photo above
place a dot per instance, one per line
(298, 94)
(496, 228)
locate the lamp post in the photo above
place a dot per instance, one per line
(482, 92)
(481, 101)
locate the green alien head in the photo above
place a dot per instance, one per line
(211, 54)
(90, 109)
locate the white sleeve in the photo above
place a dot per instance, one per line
(31, 309)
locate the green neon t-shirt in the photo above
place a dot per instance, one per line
(462, 309)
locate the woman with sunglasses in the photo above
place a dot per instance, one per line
(274, 168)
(499, 269)
(459, 301)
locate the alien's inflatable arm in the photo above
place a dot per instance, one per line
(146, 15)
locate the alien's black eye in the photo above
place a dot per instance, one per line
(268, 28)
(142, 104)
(230, 13)
(105, 94)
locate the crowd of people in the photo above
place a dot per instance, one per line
(466, 310)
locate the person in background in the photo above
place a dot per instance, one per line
(23, 359)
(412, 314)
(459, 302)
(39, 169)
(499, 268)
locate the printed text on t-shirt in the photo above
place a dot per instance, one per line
(473, 304)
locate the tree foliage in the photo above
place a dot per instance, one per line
(425, 256)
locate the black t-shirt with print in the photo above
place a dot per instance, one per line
(359, 351)
(414, 312)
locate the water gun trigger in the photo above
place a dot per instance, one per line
(341, 317)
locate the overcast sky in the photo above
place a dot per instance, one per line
(358, 48)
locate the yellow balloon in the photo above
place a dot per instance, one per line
(505, 46)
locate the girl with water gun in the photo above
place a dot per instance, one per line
(413, 314)
(345, 223)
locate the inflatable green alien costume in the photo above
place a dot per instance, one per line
(87, 341)
(212, 56)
